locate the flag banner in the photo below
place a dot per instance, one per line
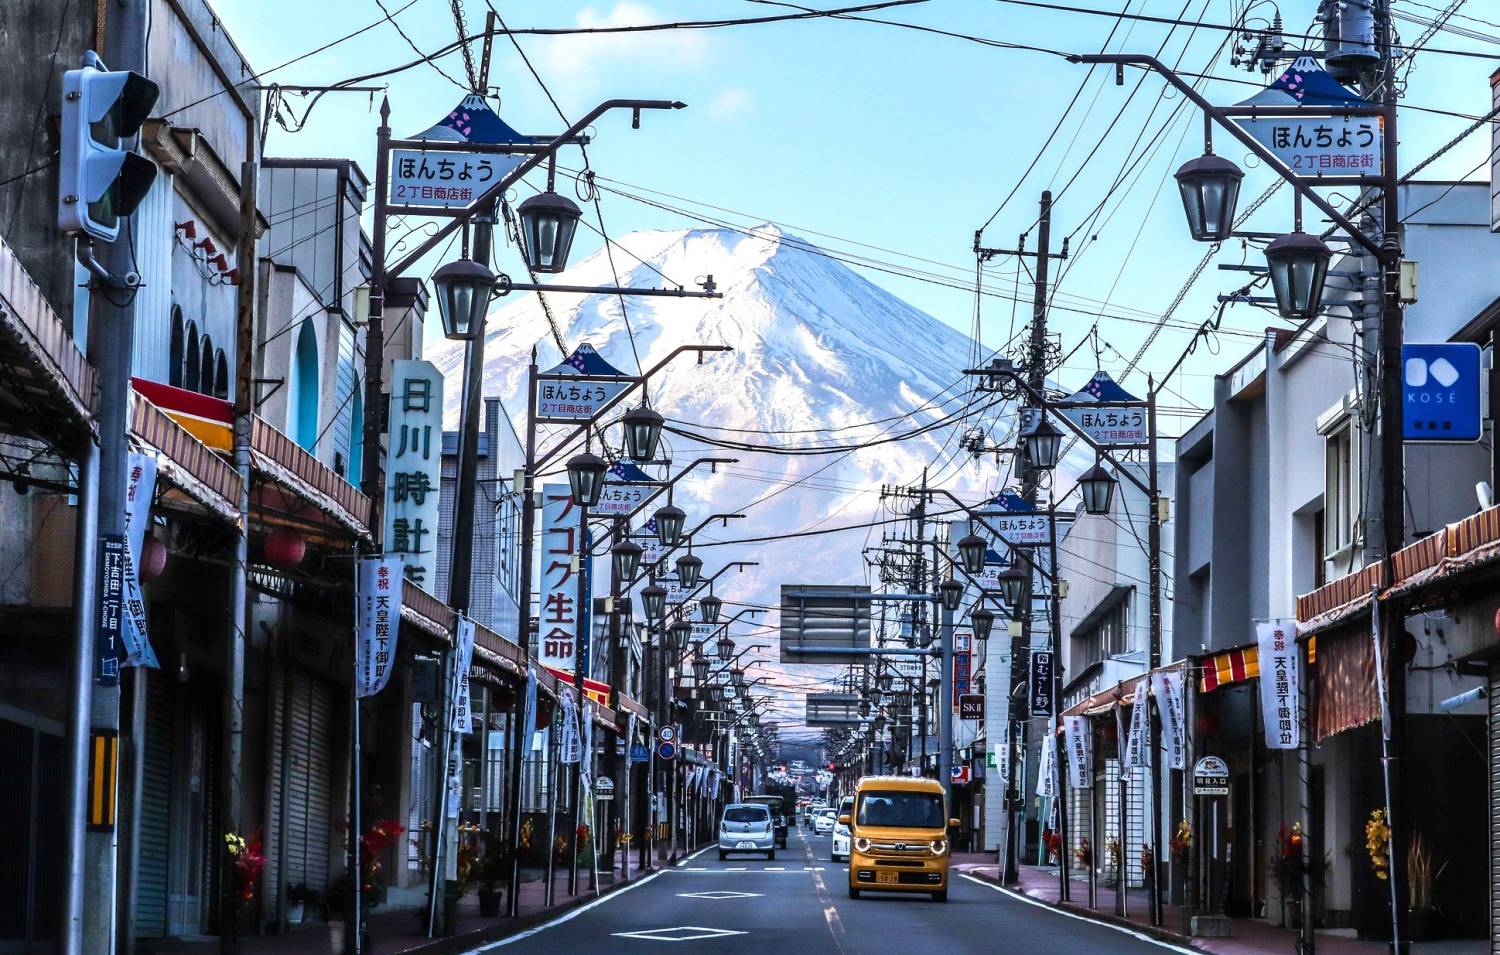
(528, 725)
(1002, 753)
(570, 747)
(1135, 749)
(140, 488)
(586, 764)
(377, 619)
(1167, 687)
(1276, 641)
(463, 658)
(1080, 754)
(1046, 779)
(1120, 736)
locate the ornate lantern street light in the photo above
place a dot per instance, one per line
(642, 433)
(688, 570)
(463, 294)
(586, 478)
(972, 551)
(669, 521)
(548, 223)
(1041, 445)
(1014, 583)
(951, 592)
(1210, 187)
(626, 556)
(983, 620)
(1097, 486)
(654, 601)
(1299, 267)
(725, 647)
(709, 607)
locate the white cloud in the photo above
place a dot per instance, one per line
(576, 58)
(731, 103)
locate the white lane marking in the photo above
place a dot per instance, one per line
(1082, 918)
(680, 933)
(737, 868)
(718, 894)
(775, 868)
(571, 914)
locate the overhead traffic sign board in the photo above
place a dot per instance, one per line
(1440, 386)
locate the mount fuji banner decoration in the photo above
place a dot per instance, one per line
(449, 178)
(1107, 425)
(626, 488)
(583, 395)
(1017, 521)
(1326, 142)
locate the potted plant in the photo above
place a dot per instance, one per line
(1053, 842)
(1422, 872)
(338, 903)
(298, 898)
(1287, 869)
(489, 872)
(1084, 855)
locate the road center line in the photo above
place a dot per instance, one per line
(830, 914)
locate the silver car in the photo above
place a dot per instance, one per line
(747, 827)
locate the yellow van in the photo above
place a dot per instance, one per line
(899, 836)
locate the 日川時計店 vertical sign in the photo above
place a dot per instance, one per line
(557, 625)
(445, 179)
(414, 466)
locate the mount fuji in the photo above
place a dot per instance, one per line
(821, 358)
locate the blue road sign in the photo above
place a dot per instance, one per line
(639, 753)
(1440, 392)
(666, 750)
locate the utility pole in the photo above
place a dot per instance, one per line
(1020, 644)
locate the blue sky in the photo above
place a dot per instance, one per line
(900, 140)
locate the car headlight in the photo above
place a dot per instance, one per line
(939, 846)
(862, 844)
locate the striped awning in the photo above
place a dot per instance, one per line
(1238, 665)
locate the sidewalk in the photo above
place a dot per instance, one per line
(1248, 936)
(403, 930)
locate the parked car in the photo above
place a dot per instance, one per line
(841, 837)
(900, 836)
(747, 827)
(778, 817)
(824, 821)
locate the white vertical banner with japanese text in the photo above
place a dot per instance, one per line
(1046, 777)
(570, 746)
(463, 658)
(557, 623)
(1166, 685)
(140, 488)
(377, 619)
(1080, 754)
(1135, 749)
(414, 468)
(528, 721)
(1276, 644)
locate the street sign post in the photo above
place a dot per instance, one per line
(1440, 386)
(1041, 683)
(639, 753)
(971, 706)
(604, 789)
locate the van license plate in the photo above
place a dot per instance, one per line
(744, 845)
(886, 878)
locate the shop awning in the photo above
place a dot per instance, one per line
(48, 388)
(298, 486)
(198, 478)
(1118, 695)
(1345, 689)
(1339, 601)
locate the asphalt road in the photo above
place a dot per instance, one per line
(800, 904)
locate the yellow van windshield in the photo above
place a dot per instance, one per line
(902, 810)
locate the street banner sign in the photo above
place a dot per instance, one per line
(824, 624)
(1016, 520)
(1328, 141)
(1276, 645)
(1440, 385)
(625, 489)
(1041, 683)
(581, 395)
(971, 706)
(377, 621)
(1080, 751)
(1210, 777)
(1135, 747)
(1046, 777)
(1166, 686)
(414, 468)
(1107, 425)
(557, 624)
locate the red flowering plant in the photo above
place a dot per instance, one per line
(1084, 854)
(378, 838)
(1181, 841)
(1290, 862)
(1053, 842)
(249, 859)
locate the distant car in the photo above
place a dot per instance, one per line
(825, 821)
(810, 813)
(774, 804)
(747, 827)
(840, 850)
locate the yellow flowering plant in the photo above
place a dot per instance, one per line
(1378, 843)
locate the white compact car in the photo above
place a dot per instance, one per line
(840, 850)
(824, 821)
(747, 827)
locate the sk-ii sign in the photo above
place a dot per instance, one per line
(1440, 388)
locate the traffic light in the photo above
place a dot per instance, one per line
(101, 180)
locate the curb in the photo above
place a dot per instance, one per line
(1094, 915)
